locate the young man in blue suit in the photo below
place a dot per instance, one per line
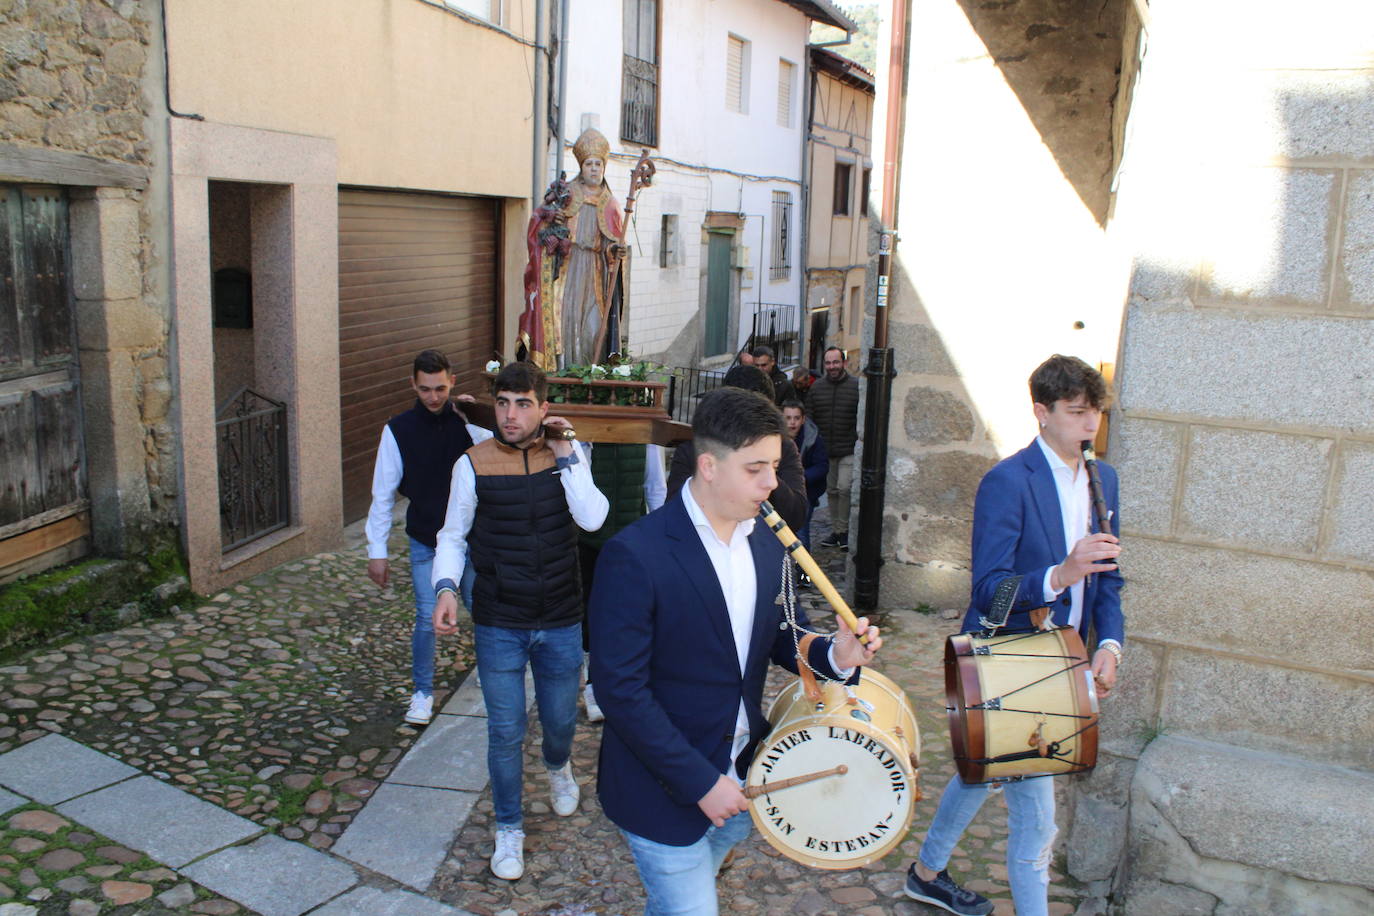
(1032, 517)
(685, 622)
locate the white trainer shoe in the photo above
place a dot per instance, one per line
(508, 861)
(594, 713)
(563, 787)
(421, 709)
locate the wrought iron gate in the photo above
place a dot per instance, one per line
(253, 495)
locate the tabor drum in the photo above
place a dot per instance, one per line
(1020, 704)
(852, 769)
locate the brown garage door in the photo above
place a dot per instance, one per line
(415, 271)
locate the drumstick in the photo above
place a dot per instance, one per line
(773, 520)
(756, 791)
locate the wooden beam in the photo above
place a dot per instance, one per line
(16, 550)
(53, 166)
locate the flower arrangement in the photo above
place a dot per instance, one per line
(626, 394)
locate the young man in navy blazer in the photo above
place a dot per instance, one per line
(1032, 518)
(685, 622)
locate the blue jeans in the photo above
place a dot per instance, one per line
(1030, 827)
(556, 658)
(681, 880)
(422, 640)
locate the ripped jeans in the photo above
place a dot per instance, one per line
(1030, 827)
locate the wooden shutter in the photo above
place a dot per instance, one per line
(734, 74)
(416, 271)
(785, 71)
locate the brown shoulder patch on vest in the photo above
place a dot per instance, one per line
(492, 458)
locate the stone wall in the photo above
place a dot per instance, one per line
(1244, 738)
(1001, 258)
(81, 105)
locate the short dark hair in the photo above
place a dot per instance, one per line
(792, 402)
(1065, 378)
(763, 351)
(839, 350)
(750, 378)
(520, 377)
(431, 361)
(728, 419)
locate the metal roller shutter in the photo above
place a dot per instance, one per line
(416, 271)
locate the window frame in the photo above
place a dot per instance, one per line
(634, 71)
(781, 267)
(844, 190)
(744, 45)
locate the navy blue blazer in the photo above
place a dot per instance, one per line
(667, 673)
(1019, 530)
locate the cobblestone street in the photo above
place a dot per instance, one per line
(280, 700)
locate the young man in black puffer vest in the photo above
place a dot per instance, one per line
(516, 502)
(415, 458)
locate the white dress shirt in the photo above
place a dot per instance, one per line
(734, 567)
(386, 477)
(586, 503)
(1074, 505)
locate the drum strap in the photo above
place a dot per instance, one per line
(1002, 600)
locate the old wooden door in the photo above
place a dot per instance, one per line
(718, 292)
(43, 518)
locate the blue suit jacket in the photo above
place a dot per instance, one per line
(667, 673)
(1019, 530)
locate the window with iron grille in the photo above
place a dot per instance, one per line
(782, 224)
(668, 247)
(786, 69)
(737, 75)
(844, 178)
(639, 84)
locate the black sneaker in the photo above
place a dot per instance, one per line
(842, 540)
(830, 540)
(945, 894)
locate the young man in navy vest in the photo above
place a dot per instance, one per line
(516, 503)
(1032, 518)
(415, 458)
(685, 624)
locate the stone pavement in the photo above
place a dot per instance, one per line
(271, 715)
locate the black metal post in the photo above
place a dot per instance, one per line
(868, 552)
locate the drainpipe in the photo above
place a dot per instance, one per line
(868, 558)
(804, 213)
(562, 88)
(540, 151)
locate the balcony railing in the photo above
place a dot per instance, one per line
(639, 102)
(777, 325)
(685, 388)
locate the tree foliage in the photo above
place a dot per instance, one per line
(863, 44)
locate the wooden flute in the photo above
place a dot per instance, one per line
(1100, 510)
(803, 558)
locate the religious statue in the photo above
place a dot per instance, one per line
(576, 277)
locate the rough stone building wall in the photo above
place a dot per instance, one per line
(1001, 261)
(81, 105)
(1244, 735)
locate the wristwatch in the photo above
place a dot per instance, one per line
(1112, 647)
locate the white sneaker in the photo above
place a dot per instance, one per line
(564, 790)
(594, 713)
(421, 709)
(508, 861)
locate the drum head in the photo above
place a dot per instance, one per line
(839, 821)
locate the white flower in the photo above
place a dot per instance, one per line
(493, 365)
(623, 371)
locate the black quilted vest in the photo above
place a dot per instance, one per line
(523, 540)
(430, 444)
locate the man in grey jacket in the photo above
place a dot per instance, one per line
(832, 403)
